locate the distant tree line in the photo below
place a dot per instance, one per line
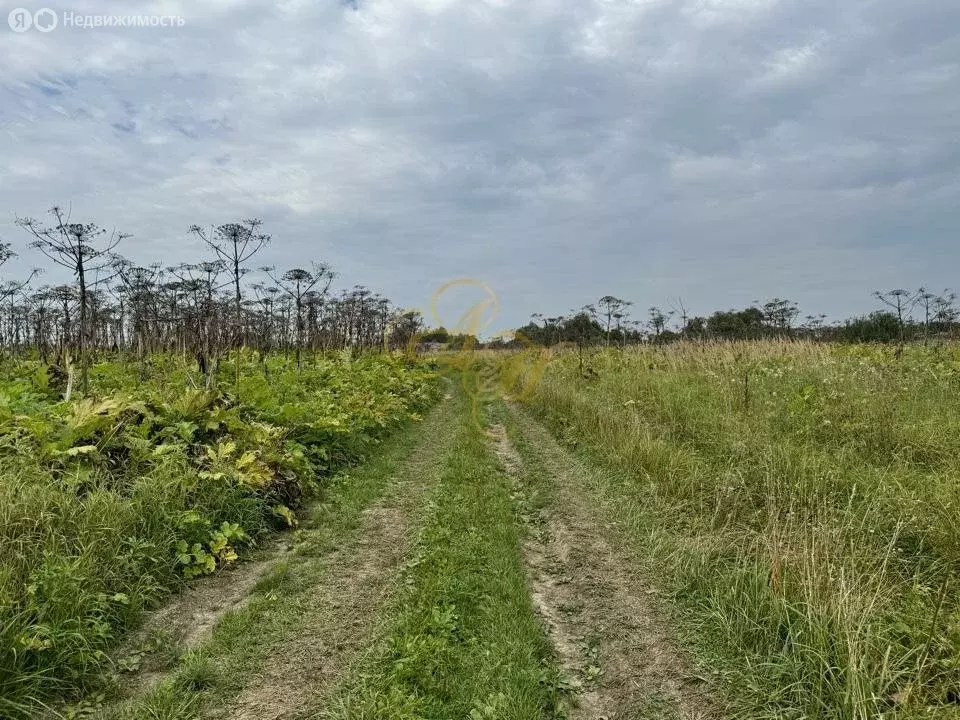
(204, 309)
(904, 316)
(223, 303)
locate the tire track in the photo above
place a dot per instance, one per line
(355, 583)
(611, 640)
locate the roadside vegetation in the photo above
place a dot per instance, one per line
(798, 501)
(317, 608)
(156, 421)
(111, 500)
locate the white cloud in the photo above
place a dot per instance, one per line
(563, 149)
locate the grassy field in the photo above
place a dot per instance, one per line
(756, 531)
(798, 501)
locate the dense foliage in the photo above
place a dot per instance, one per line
(109, 501)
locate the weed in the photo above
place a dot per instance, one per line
(110, 502)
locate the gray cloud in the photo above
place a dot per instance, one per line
(722, 150)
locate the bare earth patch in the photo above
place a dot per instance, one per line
(194, 613)
(602, 617)
(189, 617)
(346, 610)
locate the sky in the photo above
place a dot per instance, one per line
(717, 151)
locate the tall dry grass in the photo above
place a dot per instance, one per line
(800, 500)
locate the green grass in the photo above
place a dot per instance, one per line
(465, 642)
(800, 504)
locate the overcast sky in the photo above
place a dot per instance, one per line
(722, 151)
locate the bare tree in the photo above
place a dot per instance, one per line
(902, 301)
(681, 311)
(297, 283)
(945, 310)
(610, 306)
(658, 321)
(235, 244)
(87, 251)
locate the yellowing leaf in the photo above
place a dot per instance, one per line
(80, 450)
